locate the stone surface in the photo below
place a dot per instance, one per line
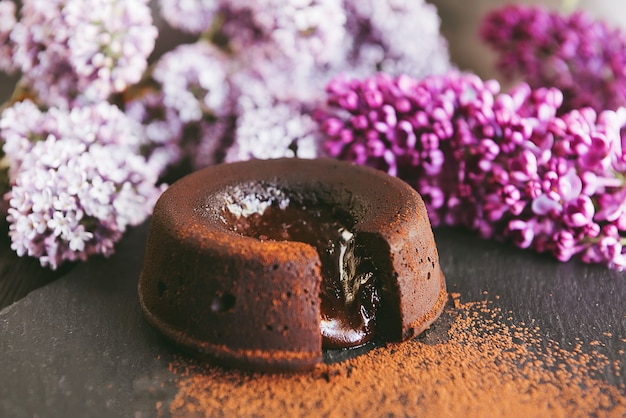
(79, 345)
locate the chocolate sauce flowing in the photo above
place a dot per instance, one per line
(349, 296)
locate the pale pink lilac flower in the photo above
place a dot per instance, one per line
(273, 121)
(582, 57)
(187, 108)
(23, 124)
(273, 131)
(394, 36)
(509, 166)
(194, 81)
(162, 127)
(192, 16)
(284, 49)
(72, 200)
(79, 52)
(77, 180)
(309, 32)
(7, 22)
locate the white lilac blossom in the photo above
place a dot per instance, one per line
(507, 165)
(78, 52)
(265, 77)
(77, 180)
(192, 16)
(311, 30)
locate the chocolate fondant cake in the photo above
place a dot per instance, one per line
(263, 264)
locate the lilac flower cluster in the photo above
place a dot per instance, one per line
(510, 166)
(307, 33)
(273, 130)
(91, 126)
(76, 51)
(582, 57)
(77, 180)
(74, 165)
(185, 111)
(270, 61)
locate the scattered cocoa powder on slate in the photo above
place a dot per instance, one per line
(484, 365)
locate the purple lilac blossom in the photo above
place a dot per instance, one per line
(76, 179)
(582, 57)
(79, 52)
(509, 166)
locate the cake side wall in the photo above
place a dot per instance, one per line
(415, 259)
(229, 298)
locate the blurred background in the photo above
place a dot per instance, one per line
(459, 25)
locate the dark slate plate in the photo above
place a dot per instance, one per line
(78, 346)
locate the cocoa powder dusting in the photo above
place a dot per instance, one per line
(474, 361)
